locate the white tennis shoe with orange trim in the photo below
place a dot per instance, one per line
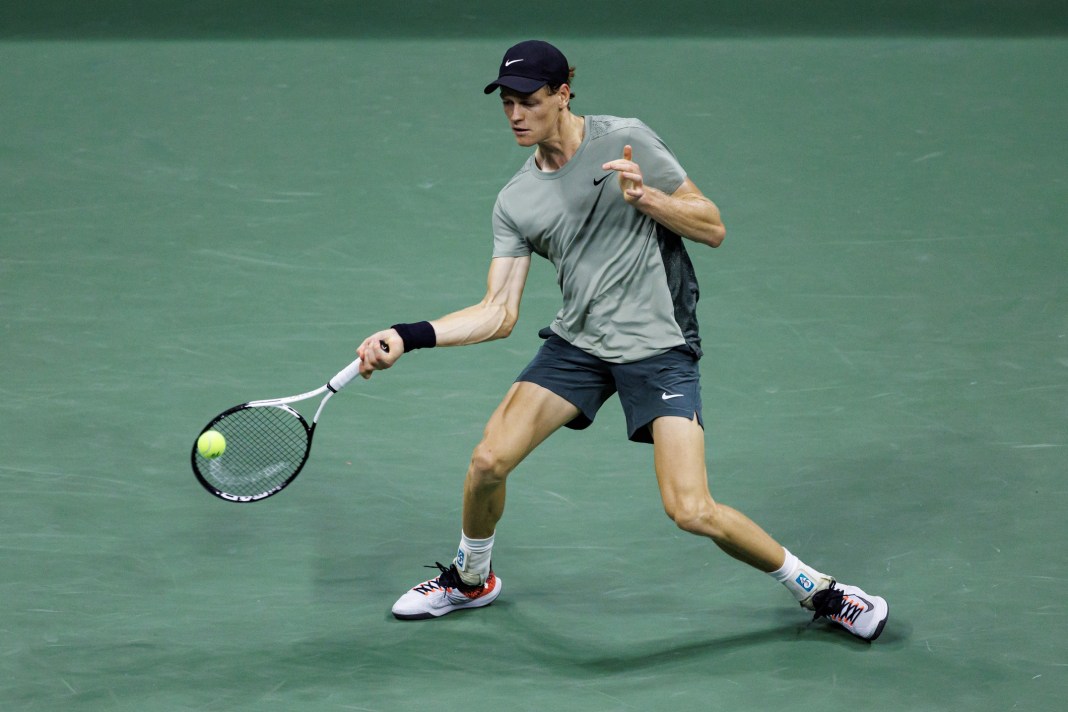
(444, 594)
(861, 614)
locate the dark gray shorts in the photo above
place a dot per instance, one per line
(668, 384)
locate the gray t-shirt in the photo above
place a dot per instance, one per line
(629, 290)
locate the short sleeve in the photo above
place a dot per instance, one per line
(507, 240)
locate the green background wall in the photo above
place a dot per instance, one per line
(438, 18)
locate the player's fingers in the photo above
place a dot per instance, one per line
(371, 354)
(628, 153)
(620, 165)
(362, 350)
(366, 367)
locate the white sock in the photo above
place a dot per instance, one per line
(799, 578)
(473, 559)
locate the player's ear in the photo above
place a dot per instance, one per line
(564, 95)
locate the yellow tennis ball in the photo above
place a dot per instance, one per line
(211, 444)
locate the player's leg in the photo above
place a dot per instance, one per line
(524, 419)
(679, 455)
(562, 385)
(661, 397)
(528, 415)
(679, 458)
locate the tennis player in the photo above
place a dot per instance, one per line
(606, 201)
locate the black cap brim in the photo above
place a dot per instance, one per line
(523, 85)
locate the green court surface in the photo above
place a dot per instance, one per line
(189, 223)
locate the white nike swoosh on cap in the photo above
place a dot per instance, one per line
(510, 62)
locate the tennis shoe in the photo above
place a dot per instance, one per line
(445, 593)
(861, 614)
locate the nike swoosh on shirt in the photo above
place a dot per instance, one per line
(510, 62)
(602, 179)
(665, 396)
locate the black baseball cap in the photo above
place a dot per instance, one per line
(530, 65)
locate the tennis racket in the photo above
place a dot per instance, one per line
(267, 444)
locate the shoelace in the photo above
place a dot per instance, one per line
(831, 603)
(448, 578)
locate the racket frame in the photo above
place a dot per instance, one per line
(335, 384)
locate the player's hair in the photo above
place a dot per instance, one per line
(553, 88)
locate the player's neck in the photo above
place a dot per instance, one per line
(554, 153)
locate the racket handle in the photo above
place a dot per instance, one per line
(344, 376)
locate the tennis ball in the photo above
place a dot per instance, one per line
(211, 444)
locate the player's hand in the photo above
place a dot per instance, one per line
(630, 176)
(379, 351)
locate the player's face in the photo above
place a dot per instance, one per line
(535, 117)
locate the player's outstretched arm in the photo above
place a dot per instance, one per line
(492, 318)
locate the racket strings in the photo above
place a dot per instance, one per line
(265, 447)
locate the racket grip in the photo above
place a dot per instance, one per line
(344, 376)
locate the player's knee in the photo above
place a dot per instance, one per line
(488, 465)
(695, 515)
